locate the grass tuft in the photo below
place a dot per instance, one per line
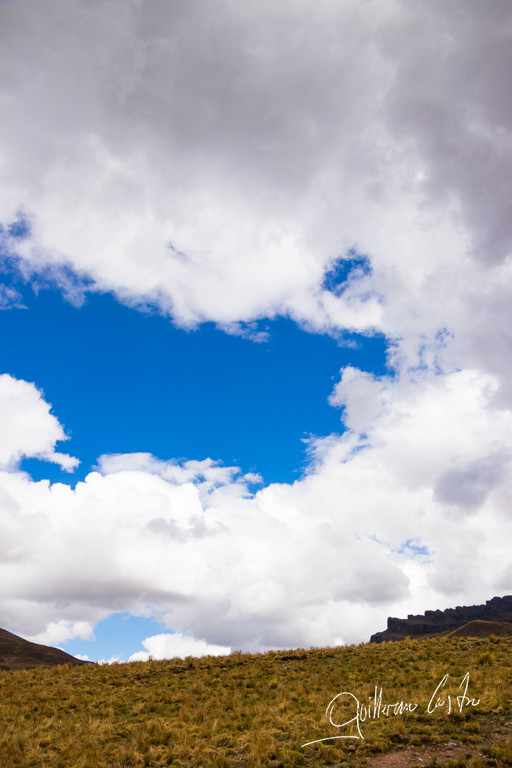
(257, 710)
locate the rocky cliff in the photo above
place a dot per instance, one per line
(435, 622)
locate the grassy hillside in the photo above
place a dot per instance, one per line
(257, 710)
(483, 629)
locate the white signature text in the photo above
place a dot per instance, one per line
(377, 708)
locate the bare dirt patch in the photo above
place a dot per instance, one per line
(491, 735)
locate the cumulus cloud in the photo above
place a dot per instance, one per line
(468, 485)
(61, 631)
(215, 163)
(206, 473)
(360, 395)
(373, 529)
(167, 646)
(28, 426)
(449, 99)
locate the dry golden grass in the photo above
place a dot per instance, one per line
(251, 710)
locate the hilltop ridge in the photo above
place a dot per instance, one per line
(17, 653)
(498, 609)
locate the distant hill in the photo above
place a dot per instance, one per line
(499, 610)
(17, 653)
(483, 629)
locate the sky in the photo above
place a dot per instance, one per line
(255, 313)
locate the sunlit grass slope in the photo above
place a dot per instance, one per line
(257, 710)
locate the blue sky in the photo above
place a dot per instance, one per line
(255, 266)
(124, 381)
(117, 637)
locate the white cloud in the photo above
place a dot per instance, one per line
(360, 395)
(28, 426)
(176, 645)
(214, 163)
(207, 473)
(61, 631)
(322, 561)
(10, 298)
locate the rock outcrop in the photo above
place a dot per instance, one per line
(436, 622)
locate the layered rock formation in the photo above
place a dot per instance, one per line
(437, 622)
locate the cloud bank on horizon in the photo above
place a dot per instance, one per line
(217, 162)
